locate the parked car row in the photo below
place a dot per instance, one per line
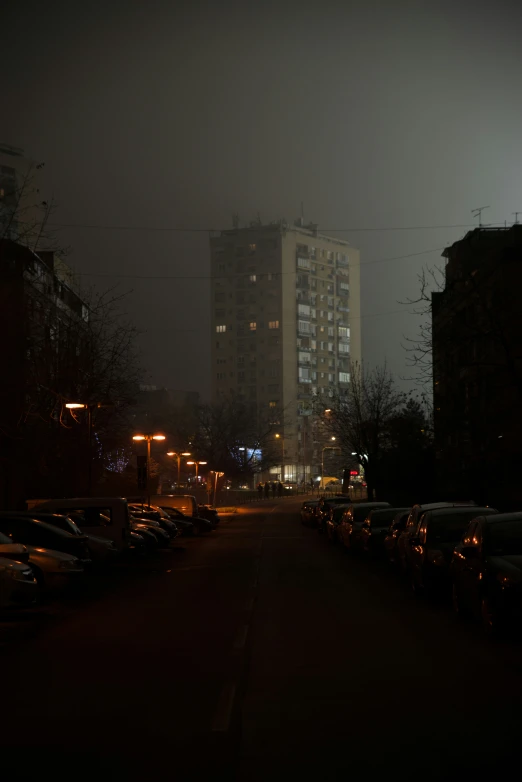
(55, 543)
(470, 553)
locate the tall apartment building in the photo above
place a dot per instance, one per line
(285, 326)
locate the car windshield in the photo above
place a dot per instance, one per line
(449, 527)
(383, 518)
(505, 538)
(338, 512)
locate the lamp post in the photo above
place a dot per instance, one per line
(197, 465)
(149, 438)
(178, 455)
(216, 476)
(282, 438)
(81, 406)
(327, 448)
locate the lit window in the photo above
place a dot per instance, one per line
(344, 377)
(221, 329)
(253, 325)
(273, 324)
(253, 277)
(272, 404)
(251, 248)
(303, 263)
(344, 332)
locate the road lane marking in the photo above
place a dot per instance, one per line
(241, 637)
(223, 713)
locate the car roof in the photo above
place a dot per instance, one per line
(371, 505)
(435, 505)
(375, 512)
(439, 513)
(497, 518)
(42, 524)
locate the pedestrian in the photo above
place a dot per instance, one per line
(274, 489)
(279, 489)
(260, 490)
(267, 490)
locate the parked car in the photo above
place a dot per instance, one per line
(307, 510)
(151, 528)
(375, 528)
(188, 505)
(350, 526)
(53, 570)
(18, 585)
(102, 550)
(431, 548)
(200, 525)
(12, 550)
(334, 519)
(104, 517)
(486, 571)
(392, 537)
(403, 542)
(32, 532)
(324, 507)
(152, 513)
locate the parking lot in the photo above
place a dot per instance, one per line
(260, 651)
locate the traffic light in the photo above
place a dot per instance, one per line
(142, 471)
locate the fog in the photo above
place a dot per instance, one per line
(156, 117)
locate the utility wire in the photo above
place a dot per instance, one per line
(238, 274)
(177, 229)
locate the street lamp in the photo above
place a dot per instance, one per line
(149, 438)
(197, 465)
(81, 406)
(327, 448)
(278, 436)
(178, 455)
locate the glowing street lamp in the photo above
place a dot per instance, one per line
(282, 438)
(81, 406)
(178, 455)
(149, 438)
(197, 465)
(327, 448)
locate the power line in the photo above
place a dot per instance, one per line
(178, 229)
(237, 274)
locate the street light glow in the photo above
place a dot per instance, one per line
(74, 405)
(138, 437)
(191, 462)
(333, 438)
(278, 435)
(158, 437)
(186, 454)
(171, 453)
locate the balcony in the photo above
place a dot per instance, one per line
(342, 264)
(304, 379)
(342, 309)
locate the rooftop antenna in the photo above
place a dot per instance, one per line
(516, 216)
(478, 213)
(302, 214)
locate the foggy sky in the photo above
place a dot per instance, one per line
(374, 114)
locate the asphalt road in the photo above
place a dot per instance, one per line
(259, 652)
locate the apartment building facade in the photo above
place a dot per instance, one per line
(285, 327)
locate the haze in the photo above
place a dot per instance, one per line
(164, 115)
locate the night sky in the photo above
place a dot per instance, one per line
(165, 115)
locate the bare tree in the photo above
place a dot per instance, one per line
(360, 418)
(236, 438)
